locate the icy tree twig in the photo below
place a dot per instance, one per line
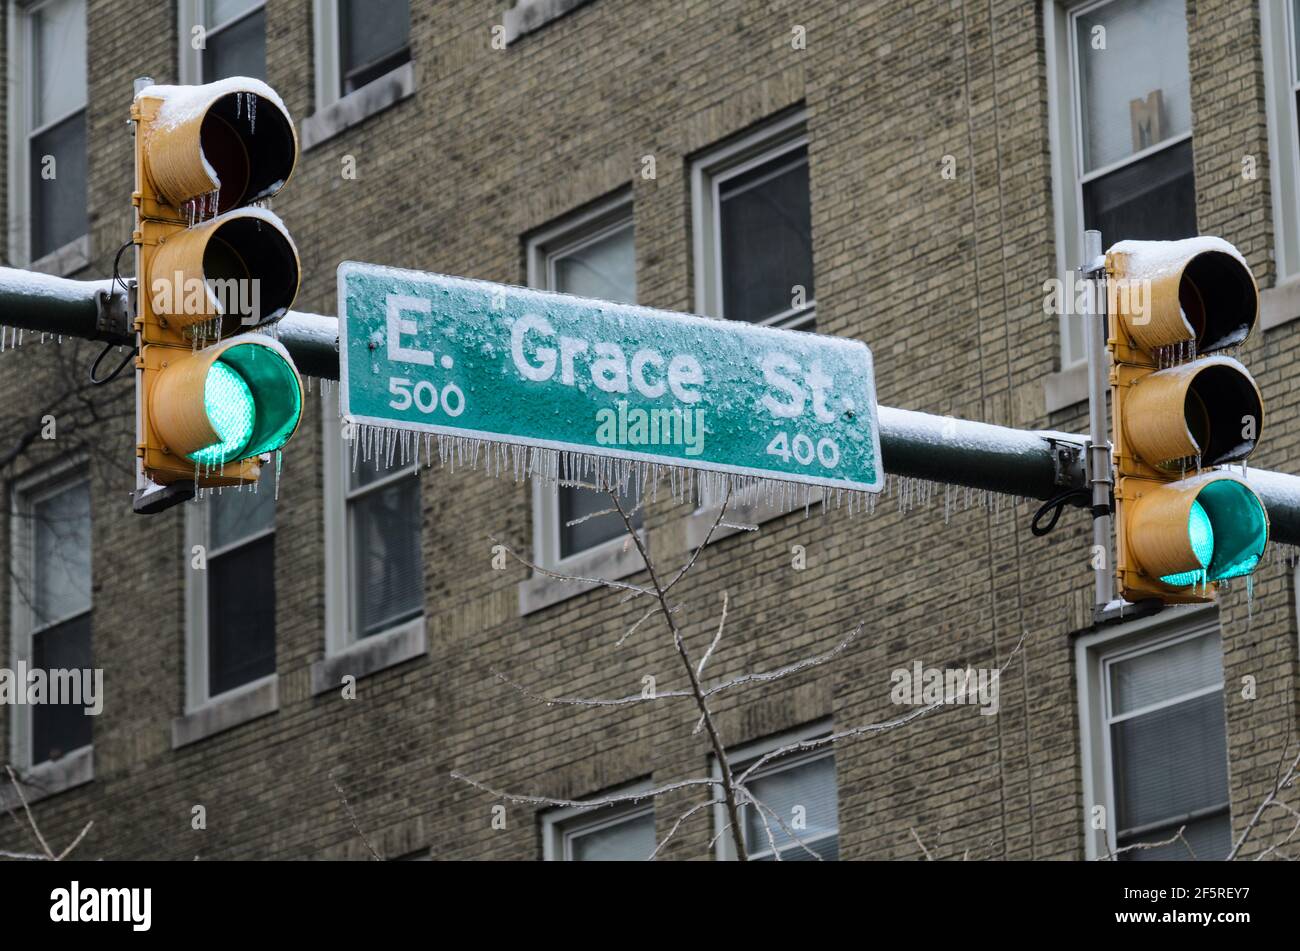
(763, 807)
(1144, 846)
(592, 701)
(921, 845)
(356, 826)
(699, 671)
(661, 594)
(632, 630)
(678, 824)
(48, 855)
(1272, 800)
(868, 728)
(573, 579)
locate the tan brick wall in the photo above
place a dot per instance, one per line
(943, 279)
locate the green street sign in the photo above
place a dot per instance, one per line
(478, 360)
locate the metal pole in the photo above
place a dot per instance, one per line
(1093, 270)
(1027, 463)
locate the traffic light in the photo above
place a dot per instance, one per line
(213, 265)
(1183, 411)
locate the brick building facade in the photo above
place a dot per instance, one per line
(927, 169)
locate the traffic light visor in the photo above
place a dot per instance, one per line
(232, 401)
(1200, 530)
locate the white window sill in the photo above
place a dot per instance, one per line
(611, 560)
(239, 706)
(1279, 304)
(528, 16)
(50, 778)
(746, 508)
(358, 106)
(69, 259)
(370, 655)
(1066, 388)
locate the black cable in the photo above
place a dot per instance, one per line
(112, 376)
(1055, 505)
(117, 260)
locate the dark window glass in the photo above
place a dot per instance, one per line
(387, 566)
(237, 50)
(373, 39)
(1153, 199)
(577, 502)
(58, 729)
(58, 185)
(766, 234)
(807, 787)
(241, 615)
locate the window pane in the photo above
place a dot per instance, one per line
(387, 567)
(766, 234)
(58, 185)
(604, 269)
(235, 514)
(219, 12)
(238, 50)
(629, 841)
(60, 729)
(241, 616)
(1154, 199)
(59, 60)
(1159, 675)
(1134, 92)
(61, 529)
(802, 795)
(1170, 762)
(576, 502)
(373, 40)
(1210, 838)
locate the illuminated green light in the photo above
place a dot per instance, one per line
(231, 410)
(1201, 535)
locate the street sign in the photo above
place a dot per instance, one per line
(479, 360)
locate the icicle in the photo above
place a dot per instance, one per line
(252, 113)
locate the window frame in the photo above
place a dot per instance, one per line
(1065, 134)
(709, 171)
(561, 824)
(1094, 654)
(189, 14)
(724, 849)
(198, 531)
(1281, 88)
(74, 255)
(341, 635)
(74, 766)
(543, 248)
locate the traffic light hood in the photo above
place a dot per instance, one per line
(222, 144)
(234, 400)
(1170, 293)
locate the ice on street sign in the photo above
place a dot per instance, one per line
(478, 360)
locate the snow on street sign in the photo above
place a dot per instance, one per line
(478, 360)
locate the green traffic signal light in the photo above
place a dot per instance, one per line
(253, 401)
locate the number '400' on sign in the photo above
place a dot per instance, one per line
(431, 353)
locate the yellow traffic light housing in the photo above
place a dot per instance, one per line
(212, 263)
(1182, 526)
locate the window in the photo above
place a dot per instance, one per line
(1156, 741)
(232, 598)
(1281, 46)
(798, 788)
(753, 228)
(363, 63)
(373, 558)
(620, 833)
(1121, 99)
(233, 39)
(591, 254)
(48, 127)
(51, 609)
